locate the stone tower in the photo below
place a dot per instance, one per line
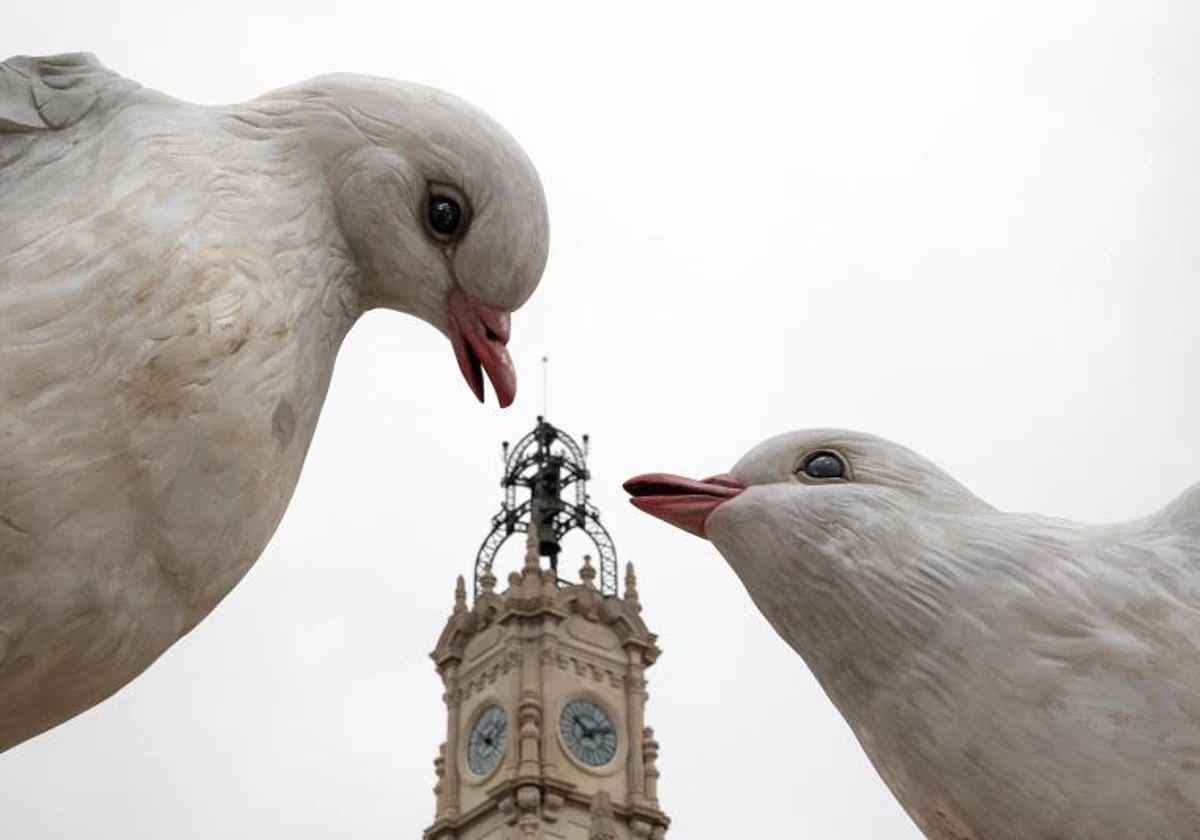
(545, 685)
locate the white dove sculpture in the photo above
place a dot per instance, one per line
(175, 282)
(1010, 676)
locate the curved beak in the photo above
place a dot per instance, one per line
(480, 334)
(684, 502)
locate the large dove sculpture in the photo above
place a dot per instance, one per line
(175, 282)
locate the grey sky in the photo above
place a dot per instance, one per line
(967, 227)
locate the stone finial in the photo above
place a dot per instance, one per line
(587, 572)
(439, 768)
(602, 826)
(533, 554)
(631, 592)
(650, 761)
(460, 595)
(488, 581)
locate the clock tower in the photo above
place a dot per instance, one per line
(545, 685)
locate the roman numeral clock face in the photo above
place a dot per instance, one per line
(486, 742)
(588, 733)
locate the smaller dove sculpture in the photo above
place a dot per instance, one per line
(1010, 676)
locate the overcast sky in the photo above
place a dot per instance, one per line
(969, 227)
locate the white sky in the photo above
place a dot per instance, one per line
(970, 227)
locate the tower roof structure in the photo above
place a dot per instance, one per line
(549, 468)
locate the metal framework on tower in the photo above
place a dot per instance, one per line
(547, 462)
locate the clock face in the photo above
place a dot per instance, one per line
(486, 742)
(588, 733)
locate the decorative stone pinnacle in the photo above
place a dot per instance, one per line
(460, 595)
(587, 573)
(439, 769)
(650, 761)
(631, 592)
(488, 582)
(649, 745)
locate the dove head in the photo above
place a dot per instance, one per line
(830, 474)
(830, 531)
(443, 212)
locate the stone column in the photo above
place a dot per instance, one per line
(453, 699)
(529, 711)
(546, 654)
(529, 717)
(635, 703)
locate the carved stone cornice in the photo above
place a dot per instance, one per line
(479, 676)
(542, 798)
(533, 593)
(656, 819)
(593, 668)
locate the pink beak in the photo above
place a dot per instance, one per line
(479, 334)
(683, 502)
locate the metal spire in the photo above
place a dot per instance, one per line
(546, 463)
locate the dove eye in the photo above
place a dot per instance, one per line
(824, 465)
(445, 216)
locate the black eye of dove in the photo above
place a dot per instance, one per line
(445, 216)
(824, 465)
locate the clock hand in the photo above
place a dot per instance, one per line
(490, 735)
(601, 729)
